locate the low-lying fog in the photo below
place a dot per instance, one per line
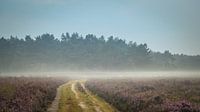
(94, 74)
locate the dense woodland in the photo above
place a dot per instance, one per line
(75, 52)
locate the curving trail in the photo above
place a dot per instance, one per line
(55, 103)
(74, 91)
(75, 97)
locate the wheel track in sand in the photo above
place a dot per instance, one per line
(85, 101)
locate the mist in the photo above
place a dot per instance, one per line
(99, 56)
(73, 52)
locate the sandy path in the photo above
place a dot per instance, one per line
(55, 103)
(74, 90)
(97, 108)
(81, 103)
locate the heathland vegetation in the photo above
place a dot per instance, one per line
(23, 94)
(149, 95)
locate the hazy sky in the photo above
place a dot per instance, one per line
(163, 24)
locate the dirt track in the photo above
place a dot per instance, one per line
(55, 103)
(70, 99)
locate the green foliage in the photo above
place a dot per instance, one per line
(74, 52)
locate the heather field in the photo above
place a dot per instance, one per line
(99, 55)
(22, 94)
(149, 95)
(101, 93)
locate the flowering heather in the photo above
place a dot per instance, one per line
(27, 94)
(149, 95)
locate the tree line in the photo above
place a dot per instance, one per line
(75, 52)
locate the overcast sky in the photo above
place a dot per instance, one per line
(163, 24)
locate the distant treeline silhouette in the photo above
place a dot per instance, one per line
(74, 52)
